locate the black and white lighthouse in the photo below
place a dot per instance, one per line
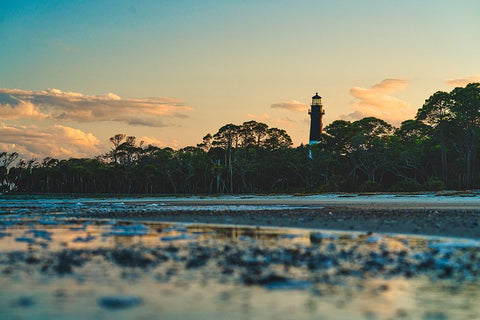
(316, 112)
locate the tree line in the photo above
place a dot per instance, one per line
(438, 149)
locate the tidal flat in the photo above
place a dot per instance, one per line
(105, 258)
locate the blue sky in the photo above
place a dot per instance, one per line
(197, 65)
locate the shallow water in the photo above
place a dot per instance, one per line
(54, 264)
(157, 275)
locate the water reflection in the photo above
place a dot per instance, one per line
(93, 268)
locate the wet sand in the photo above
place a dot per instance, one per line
(439, 216)
(454, 214)
(120, 270)
(82, 259)
(453, 223)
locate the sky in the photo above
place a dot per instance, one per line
(74, 73)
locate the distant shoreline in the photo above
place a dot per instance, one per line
(448, 223)
(445, 214)
(426, 214)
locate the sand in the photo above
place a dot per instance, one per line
(454, 216)
(78, 254)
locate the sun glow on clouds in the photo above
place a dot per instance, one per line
(264, 117)
(271, 121)
(378, 101)
(158, 143)
(50, 107)
(57, 141)
(71, 106)
(462, 82)
(291, 105)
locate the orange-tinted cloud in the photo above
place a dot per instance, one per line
(20, 110)
(262, 118)
(271, 121)
(462, 82)
(57, 141)
(291, 105)
(151, 141)
(59, 105)
(158, 143)
(379, 102)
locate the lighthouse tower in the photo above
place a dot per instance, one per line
(316, 112)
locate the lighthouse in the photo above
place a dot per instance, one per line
(316, 112)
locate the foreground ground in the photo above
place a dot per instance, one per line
(445, 214)
(117, 258)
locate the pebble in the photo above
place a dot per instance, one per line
(373, 239)
(317, 237)
(119, 302)
(179, 237)
(289, 284)
(86, 239)
(44, 234)
(128, 231)
(48, 222)
(24, 302)
(290, 236)
(25, 239)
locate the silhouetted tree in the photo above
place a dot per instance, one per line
(364, 155)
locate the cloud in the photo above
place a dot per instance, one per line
(263, 117)
(56, 141)
(271, 121)
(71, 106)
(14, 109)
(353, 116)
(462, 82)
(379, 102)
(291, 105)
(158, 143)
(151, 141)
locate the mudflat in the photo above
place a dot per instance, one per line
(126, 258)
(456, 215)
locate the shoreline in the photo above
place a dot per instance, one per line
(429, 222)
(431, 214)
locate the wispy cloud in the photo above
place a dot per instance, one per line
(291, 105)
(379, 102)
(56, 141)
(271, 121)
(263, 117)
(64, 106)
(462, 82)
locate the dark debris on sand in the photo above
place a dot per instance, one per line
(255, 263)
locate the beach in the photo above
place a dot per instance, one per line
(444, 214)
(334, 256)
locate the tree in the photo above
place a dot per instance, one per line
(455, 119)
(370, 141)
(6, 159)
(277, 139)
(116, 140)
(437, 113)
(466, 108)
(246, 132)
(338, 136)
(206, 143)
(407, 151)
(368, 154)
